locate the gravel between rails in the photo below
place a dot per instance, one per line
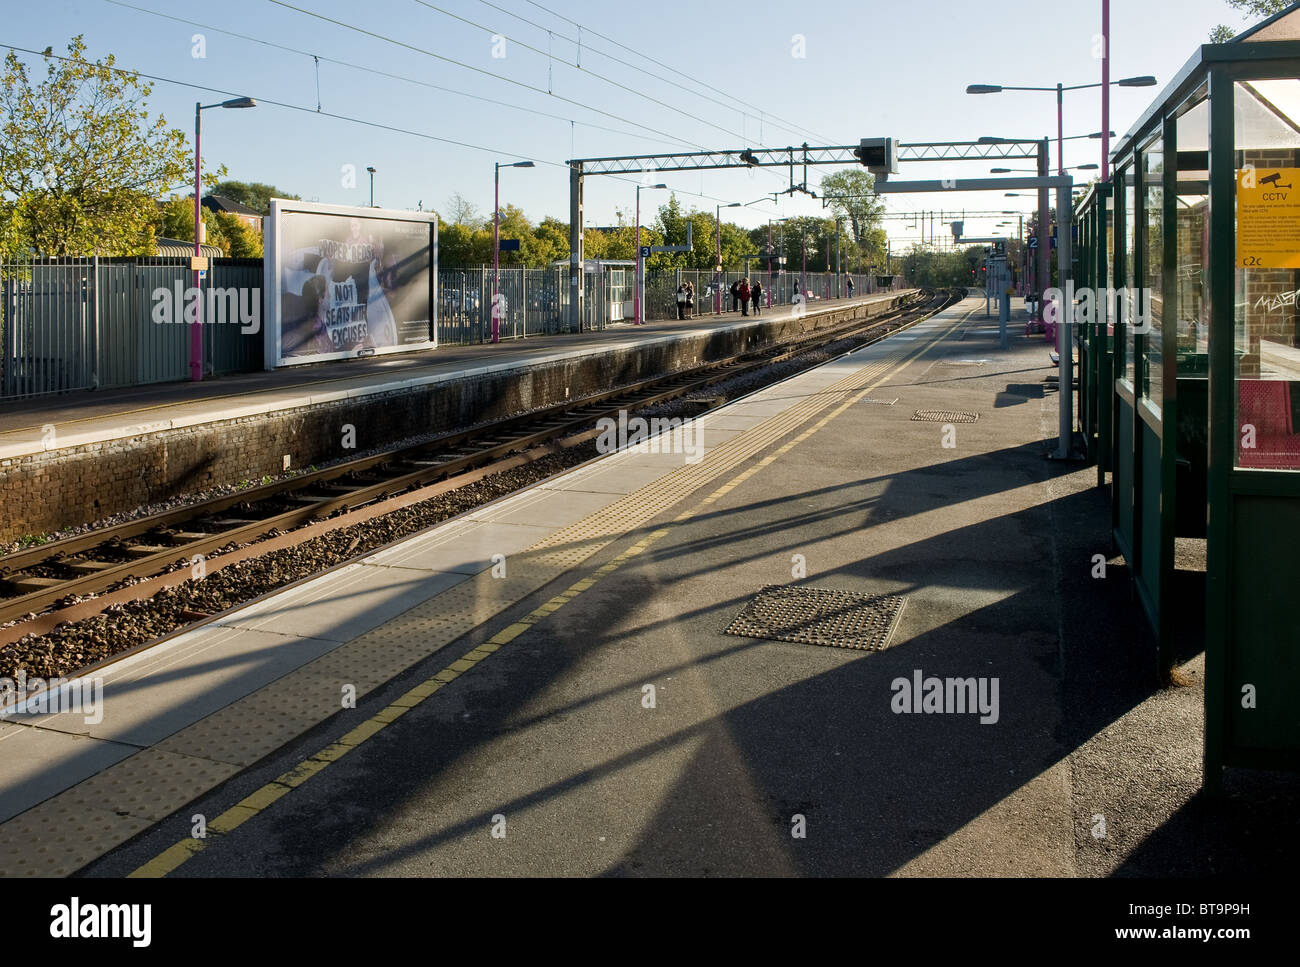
(75, 645)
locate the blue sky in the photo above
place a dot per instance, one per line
(729, 77)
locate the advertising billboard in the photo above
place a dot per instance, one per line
(344, 282)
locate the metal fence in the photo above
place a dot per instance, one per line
(778, 290)
(77, 324)
(90, 323)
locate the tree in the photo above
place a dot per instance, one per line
(461, 212)
(853, 199)
(81, 159)
(553, 239)
(1251, 8)
(174, 218)
(254, 194)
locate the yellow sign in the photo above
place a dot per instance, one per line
(1268, 218)
(198, 263)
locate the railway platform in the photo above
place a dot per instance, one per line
(849, 624)
(82, 457)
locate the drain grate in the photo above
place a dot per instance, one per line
(944, 416)
(819, 616)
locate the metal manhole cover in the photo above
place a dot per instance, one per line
(944, 416)
(818, 616)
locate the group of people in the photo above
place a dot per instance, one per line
(686, 300)
(743, 293)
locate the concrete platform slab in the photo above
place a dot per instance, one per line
(464, 550)
(342, 604)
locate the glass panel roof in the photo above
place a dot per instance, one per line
(1267, 112)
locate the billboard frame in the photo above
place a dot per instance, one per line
(272, 277)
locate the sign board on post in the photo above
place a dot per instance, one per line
(344, 282)
(1268, 218)
(510, 245)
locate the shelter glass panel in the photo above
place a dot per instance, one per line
(1130, 253)
(1152, 294)
(1267, 327)
(1191, 216)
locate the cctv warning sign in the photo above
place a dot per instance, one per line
(1268, 218)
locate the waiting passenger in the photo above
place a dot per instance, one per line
(756, 293)
(690, 300)
(742, 290)
(681, 301)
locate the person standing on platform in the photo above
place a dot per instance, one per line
(681, 301)
(735, 296)
(756, 293)
(742, 290)
(849, 285)
(690, 300)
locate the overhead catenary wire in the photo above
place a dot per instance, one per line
(588, 71)
(668, 67)
(498, 152)
(662, 137)
(478, 70)
(729, 105)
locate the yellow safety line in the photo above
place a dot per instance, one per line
(177, 854)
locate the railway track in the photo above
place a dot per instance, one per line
(44, 578)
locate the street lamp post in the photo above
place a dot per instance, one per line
(717, 257)
(371, 169)
(496, 243)
(640, 263)
(803, 271)
(1146, 80)
(1105, 90)
(771, 255)
(196, 327)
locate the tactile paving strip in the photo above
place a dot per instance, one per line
(944, 416)
(820, 616)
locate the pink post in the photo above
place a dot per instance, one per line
(769, 263)
(496, 254)
(196, 327)
(1105, 90)
(636, 295)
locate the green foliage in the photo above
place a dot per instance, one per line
(1254, 9)
(255, 194)
(1260, 8)
(174, 218)
(927, 268)
(81, 159)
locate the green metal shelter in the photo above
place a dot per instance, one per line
(1190, 384)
